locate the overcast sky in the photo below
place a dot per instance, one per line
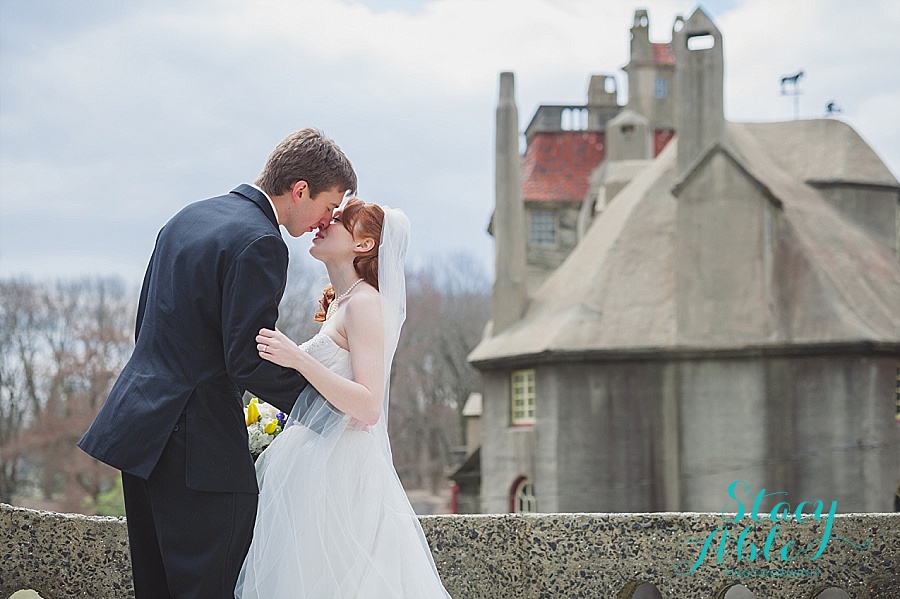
(114, 115)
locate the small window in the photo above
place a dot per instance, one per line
(522, 498)
(701, 42)
(523, 397)
(661, 89)
(543, 228)
(573, 119)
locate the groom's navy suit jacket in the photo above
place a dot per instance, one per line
(215, 278)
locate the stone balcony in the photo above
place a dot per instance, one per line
(529, 556)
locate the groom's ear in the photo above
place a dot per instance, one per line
(299, 189)
(364, 245)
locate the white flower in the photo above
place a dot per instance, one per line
(267, 411)
(259, 440)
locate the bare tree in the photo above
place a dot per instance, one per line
(447, 308)
(64, 345)
(20, 321)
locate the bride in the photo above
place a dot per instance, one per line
(333, 519)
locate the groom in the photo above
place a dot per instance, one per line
(173, 422)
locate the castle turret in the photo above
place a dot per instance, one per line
(651, 76)
(641, 50)
(699, 84)
(509, 297)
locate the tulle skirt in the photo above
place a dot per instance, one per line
(334, 521)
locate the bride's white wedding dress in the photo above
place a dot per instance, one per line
(333, 520)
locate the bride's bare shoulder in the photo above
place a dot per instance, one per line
(365, 303)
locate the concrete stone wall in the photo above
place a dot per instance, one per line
(521, 556)
(670, 435)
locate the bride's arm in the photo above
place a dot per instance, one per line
(361, 398)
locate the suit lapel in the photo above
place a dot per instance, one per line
(257, 197)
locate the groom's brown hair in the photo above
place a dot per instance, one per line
(307, 155)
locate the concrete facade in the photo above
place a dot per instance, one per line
(520, 557)
(731, 310)
(670, 434)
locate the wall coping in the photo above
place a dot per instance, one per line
(528, 556)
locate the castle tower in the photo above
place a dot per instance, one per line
(699, 83)
(509, 294)
(651, 76)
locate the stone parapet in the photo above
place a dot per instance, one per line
(528, 556)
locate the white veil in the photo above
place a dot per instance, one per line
(333, 519)
(392, 287)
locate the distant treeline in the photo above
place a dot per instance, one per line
(63, 343)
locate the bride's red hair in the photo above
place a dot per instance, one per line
(362, 220)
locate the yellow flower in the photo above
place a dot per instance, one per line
(253, 412)
(271, 427)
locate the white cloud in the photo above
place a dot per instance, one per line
(125, 116)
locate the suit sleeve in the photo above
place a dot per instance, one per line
(142, 302)
(145, 290)
(251, 292)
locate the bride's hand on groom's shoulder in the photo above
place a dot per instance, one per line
(276, 347)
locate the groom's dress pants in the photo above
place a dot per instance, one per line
(185, 544)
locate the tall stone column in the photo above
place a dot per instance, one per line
(699, 85)
(509, 297)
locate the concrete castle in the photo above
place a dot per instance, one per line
(703, 300)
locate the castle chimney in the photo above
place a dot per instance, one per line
(641, 50)
(699, 85)
(640, 67)
(509, 296)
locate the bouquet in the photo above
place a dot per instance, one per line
(264, 422)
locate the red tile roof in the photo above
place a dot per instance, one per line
(558, 164)
(661, 138)
(663, 53)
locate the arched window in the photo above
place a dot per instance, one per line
(521, 496)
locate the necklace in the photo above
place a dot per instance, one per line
(333, 305)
